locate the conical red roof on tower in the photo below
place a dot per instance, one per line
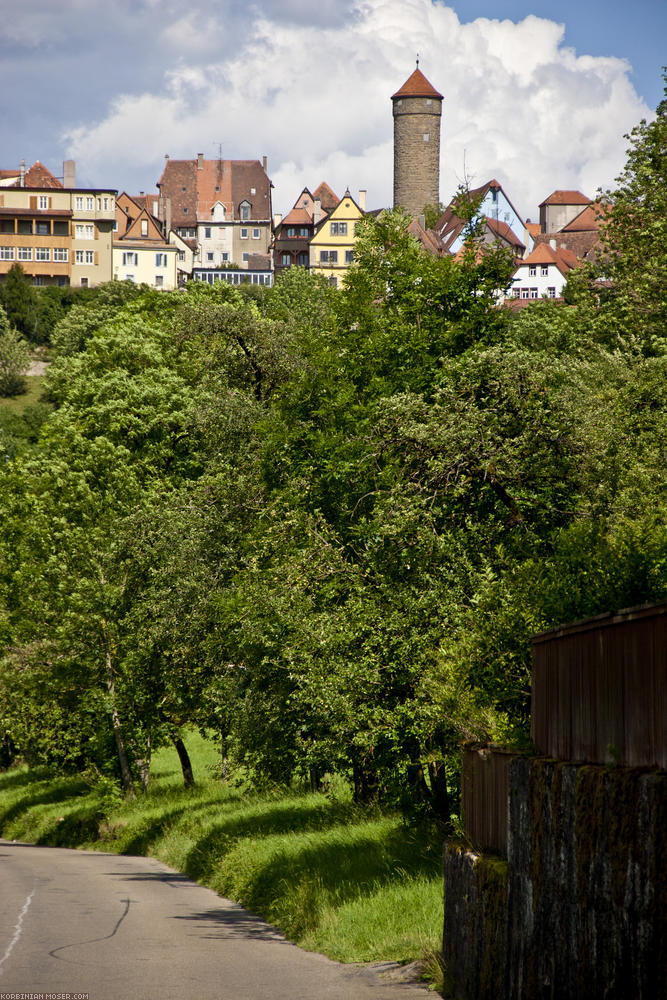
(417, 86)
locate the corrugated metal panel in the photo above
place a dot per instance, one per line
(598, 690)
(484, 797)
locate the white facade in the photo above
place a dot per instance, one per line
(533, 281)
(155, 266)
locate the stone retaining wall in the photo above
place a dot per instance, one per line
(579, 911)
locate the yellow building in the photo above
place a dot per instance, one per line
(332, 245)
(60, 235)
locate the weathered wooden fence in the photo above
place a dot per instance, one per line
(599, 689)
(484, 797)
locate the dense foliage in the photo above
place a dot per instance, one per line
(325, 524)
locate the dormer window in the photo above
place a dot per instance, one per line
(244, 211)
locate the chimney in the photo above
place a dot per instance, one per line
(167, 213)
(362, 199)
(265, 164)
(317, 214)
(22, 178)
(277, 219)
(200, 161)
(69, 174)
(422, 221)
(166, 157)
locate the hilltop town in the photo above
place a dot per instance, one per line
(212, 220)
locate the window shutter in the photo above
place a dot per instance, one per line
(33, 201)
(97, 260)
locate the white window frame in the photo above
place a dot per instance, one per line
(255, 234)
(78, 203)
(130, 258)
(532, 270)
(43, 201)
(90, 203)
(42, 253)
(6, 253)
(544, 270)
(24, 253)
(90, 256)
(244, 234)
(61, 254)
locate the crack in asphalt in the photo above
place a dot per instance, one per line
(78, 944)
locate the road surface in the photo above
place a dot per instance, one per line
(126, 928)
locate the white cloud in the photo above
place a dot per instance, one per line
(518, 106)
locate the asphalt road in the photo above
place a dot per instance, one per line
(126, 928)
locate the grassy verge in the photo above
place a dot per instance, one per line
(357, 886)
(32, 395)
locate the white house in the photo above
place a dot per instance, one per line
(543, 273)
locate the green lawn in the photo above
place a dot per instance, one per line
(354, 884)
(17, 404)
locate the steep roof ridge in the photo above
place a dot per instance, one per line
(417, 85)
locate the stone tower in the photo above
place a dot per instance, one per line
(417, 108)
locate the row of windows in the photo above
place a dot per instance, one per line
(210, 258)
(533, 293)
(84, 256)
(302, 260)
(84, 231)
(331, 256)
(60, 254)
(26, 227)
(244, 234)
(86, 203)
(234, 277)
(131, 259)
(544, 270)
(293, 231)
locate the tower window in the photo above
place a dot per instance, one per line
(427, 136)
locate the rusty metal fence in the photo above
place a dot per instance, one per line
(485, 796)
(599, 689)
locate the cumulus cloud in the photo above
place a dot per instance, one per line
(519, 105)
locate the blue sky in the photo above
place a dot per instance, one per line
(538, 95)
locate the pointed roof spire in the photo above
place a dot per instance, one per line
(417, 86)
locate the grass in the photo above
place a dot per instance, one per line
(354, 884)
(32, 395)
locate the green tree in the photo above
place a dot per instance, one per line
(19, 299)
(14, 359)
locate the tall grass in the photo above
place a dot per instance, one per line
(355, 884)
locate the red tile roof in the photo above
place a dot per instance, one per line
(543, 253)
(502, 230)
(39, 176)
(566, 198)
(417, 86)
(195, 189)
(328, 198)
(298, 217)
(588, 220)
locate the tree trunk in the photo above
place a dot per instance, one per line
(126, 773)
(144, 765)
(184, 758)
(365, 784)
(224, 769)
(439, 791)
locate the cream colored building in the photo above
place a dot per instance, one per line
(60, 235)
(332, 245)
(140, 252)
